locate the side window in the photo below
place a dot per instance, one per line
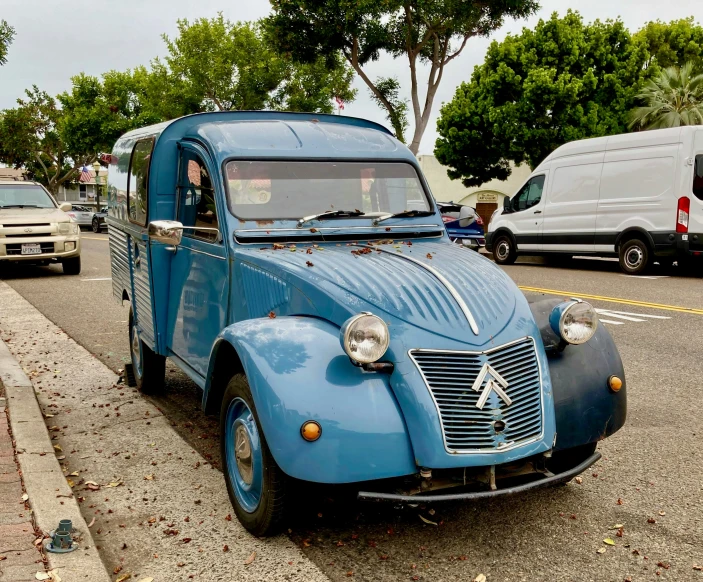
(139, 181)
(196, 197)
(529, 195)
(698, 177)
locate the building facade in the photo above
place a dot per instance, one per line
(484, 198)
(84, 193)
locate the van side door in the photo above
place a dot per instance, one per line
(695, 218)
(526, 211)
(572, 203)
(199, 291)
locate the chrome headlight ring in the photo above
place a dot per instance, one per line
(574, 321)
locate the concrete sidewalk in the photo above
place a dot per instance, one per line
(20, 558)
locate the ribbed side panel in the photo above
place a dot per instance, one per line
(142, 294)
(450, 376)
(263, 291)
(119, 254)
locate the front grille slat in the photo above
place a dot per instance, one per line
(449, 377)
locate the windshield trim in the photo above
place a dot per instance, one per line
(369, 217)
(29, 186)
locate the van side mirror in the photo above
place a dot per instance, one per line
(466, 216)
(65, 206)
(507, 208)
(169, 232)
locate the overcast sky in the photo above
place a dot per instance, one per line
(60, 38)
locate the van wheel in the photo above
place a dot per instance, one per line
(71, 266)
(96, 225)
(504, 252)
(149, 367)
(634, 257)
(255, 483)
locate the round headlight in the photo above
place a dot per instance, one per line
(65, 227)
(574, 321)
(365, 338)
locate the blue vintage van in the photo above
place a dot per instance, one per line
(296, 267)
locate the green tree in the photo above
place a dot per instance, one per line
(432, 32)
(232, 66)
(672, 99)
(7, 34)
(673, 43)
(563, 81)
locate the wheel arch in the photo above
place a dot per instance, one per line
(632, 233)
(504, 231)
(224, 363)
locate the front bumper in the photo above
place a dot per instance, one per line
(52, 248)
(541, 482)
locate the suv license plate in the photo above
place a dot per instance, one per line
(31, 249)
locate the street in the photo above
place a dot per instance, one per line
(644, 496)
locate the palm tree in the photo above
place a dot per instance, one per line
(673, 98)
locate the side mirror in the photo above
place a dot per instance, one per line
(507, 208)
(169, 232)
(65, 206)
(466, 216)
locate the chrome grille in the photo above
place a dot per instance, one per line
(468, 429)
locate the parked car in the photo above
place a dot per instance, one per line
(98, 221)
(297, 269)
(81, 215)
(35, 229)
(464, 225)
(637, 196)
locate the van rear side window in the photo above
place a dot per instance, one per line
(139, 181)
(698, 177)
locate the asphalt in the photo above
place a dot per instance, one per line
(650, 479)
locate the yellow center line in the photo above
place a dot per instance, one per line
(95, 238)
(615, 300)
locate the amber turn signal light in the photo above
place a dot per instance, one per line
(311, 430)
(614, 383)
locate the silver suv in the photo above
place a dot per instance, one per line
(35, 228)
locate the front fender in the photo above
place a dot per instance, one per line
(297, 371)
(586, 410)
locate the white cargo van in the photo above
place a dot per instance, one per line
(637, 196)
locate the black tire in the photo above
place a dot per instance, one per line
(569, 458)
(71, 266)
(267, 518)
(504, 251)
(634, 256)
(96, 225)
(149, 367)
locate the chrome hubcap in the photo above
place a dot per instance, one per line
(503, 250)
(242, 447)
(136, 352)
(634, 257)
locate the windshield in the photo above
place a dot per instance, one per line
(290, 190)
(30, 195)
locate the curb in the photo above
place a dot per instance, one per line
(50, 497)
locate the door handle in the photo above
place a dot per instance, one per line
(173, 249)
(538, 212)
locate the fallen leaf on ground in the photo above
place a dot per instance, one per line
(578, 480)
(25, 497)
(250, 559)
(600, 551)
(70, 482)
(698, 567)
(148, 477)
(125, 576)
(149, 579)
(480, 578)
(92, 522)
(57, 448)
(609, 541)
(427, 521)
(616, 526)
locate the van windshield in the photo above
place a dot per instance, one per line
(267, 190)
(24, 196)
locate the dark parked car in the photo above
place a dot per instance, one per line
(98, 221)
(464, 225)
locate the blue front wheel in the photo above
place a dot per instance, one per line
(255, 483)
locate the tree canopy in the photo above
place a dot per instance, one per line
(433, 32)
(565, 80)
(673, 43)
(7, 34)
(232, 66)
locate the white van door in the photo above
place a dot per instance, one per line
(572, 203)
(527, 209)
(695, 219)
(637, 187)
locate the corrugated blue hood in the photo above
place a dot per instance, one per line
(386, 280)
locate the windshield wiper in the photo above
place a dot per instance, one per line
(403, 214)
(329, 214)
(21, 206)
